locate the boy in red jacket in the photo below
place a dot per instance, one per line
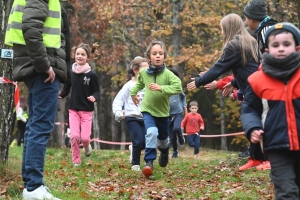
(193, 122)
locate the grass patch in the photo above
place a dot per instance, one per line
(106, 174)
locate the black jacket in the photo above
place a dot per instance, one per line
(34, 57)
(231, 59)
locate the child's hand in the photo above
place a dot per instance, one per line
(256, 136)
(202, 128)
(228, 88)
(191, 85)
(91, 99)
(154, 87)
(135, 100)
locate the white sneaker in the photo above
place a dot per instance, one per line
(130, 149)
(76, 164)
(88, 150)
(40, 193)
(135, 168)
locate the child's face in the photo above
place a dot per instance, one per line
(281, 45)
(252, 24)
(81, 57)
(142, 65)
(157, 56)
(194, 109)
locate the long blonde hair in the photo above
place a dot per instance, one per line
(232, 25)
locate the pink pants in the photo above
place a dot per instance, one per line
(80, 127)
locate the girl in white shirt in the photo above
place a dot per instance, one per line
(131, 112)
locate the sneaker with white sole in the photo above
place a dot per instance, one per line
(130, 150)
(40, 193)
(76, 164)
(88, 150)
(135, 168)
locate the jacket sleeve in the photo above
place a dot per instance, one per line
(67, 86)
(95, 86)
(222, 82)
(174, 86)
(223, 64)
(183, 98)
(34, 16)
(119, 100)
(201, 122)
(251, 112)
(138, 86)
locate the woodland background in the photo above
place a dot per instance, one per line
(123, 29)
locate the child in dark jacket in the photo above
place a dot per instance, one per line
(271, 111)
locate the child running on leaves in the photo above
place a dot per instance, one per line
(133, 116)
(177, 111)
(193, 123)
(85, 91)
(271, 111)
(159, 83)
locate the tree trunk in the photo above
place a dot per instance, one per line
(176, 37)
(7, 117)
(222, 107)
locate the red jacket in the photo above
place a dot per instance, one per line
(274, 107)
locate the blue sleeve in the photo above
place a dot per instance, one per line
(251, 112)
(225, 63)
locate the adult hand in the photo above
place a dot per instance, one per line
(91, 98)
(135, 100)
(256, 136)
(154, 87)
(51, 75)
(211, 86)
(228, 88)
(191, 85)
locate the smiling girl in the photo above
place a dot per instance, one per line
(85, 91)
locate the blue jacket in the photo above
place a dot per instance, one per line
(177, 102)
(273, 107)
(231, 59)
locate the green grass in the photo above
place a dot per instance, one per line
(106, 174)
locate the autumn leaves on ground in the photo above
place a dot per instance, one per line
(106, 174)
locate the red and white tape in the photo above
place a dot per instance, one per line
(4, 80)
(221, 135)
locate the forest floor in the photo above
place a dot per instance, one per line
(107, 174)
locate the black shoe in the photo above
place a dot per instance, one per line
(163, 159)
(245, 153)
(181, 139)
(175, 154)
(148, 169)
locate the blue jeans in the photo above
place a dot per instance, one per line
(194, 141)
(137, 131)
(174, 129)
(42, 106)
(157, 133)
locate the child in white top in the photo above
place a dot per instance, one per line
(133, 116)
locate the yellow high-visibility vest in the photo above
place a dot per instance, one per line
(51, 29)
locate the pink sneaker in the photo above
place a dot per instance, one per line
(264, 166)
